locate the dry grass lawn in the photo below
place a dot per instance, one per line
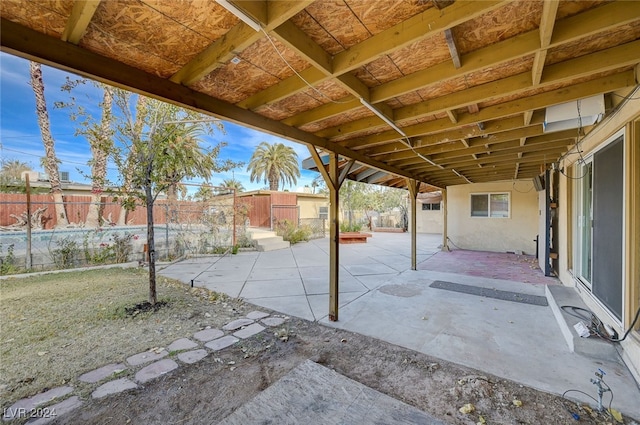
(57, 326)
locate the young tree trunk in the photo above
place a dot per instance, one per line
(50, 161)
(151, 245)
(99, 148)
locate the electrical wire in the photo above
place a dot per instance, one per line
(297, 73)
(597, 326)
(521, 191)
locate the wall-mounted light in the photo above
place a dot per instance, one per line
(239, 14)
(383, 117)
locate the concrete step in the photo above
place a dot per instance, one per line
(261, 234)
(267, 240)
(594, 347)
(271, 244)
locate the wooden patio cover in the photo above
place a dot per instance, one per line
(419, 94)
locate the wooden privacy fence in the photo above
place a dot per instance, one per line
(77, 207)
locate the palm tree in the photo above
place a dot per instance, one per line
(12, 169)
(100, 141)
(50, 160)
(233, 184)
(274, 164)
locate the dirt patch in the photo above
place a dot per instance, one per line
(211, 389)
(144, 308)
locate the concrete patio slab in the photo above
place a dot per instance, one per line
(515, 341)
(295, 305)
(282, 273)
(233, 274)
(374, 268)
(318, 285)
(231, 288)
(307, 395)
(269, 288)
(320, 303)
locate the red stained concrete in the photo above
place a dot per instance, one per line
(493, 265)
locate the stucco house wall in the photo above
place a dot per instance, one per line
(514, 233)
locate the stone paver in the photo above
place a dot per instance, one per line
(220, 343)
(155, 370)
(193, 356)
(181, 345)
(249, 331)
(257, 315)
(113, 387)
(273, 321)
(101, 373)
(237, 324)
(57, 410)
(26, 404)
(146, 357)
(208, 334)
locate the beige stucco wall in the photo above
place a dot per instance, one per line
(592, 142)
(310, 206)
(428, 221)
(515, 233)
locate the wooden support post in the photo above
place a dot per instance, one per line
(413, 187)
(333, 181)
(445, 237)
(27, 257)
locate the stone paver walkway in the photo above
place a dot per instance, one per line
(144, 367)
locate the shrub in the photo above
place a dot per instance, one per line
(345, 227)
(8, 262)
(292, 233)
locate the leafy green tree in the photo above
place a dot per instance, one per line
(160, 145)
(274, 164)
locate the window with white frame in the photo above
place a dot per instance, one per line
(323, 212)
(496, 205)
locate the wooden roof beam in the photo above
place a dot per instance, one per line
(81, 15)
(453, 49)
(549, 10)
(416, 28)
(595, 63)
(237, 39)
(593, 21)
(510, 108)
(29, 44)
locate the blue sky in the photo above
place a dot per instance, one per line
(20, 135)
